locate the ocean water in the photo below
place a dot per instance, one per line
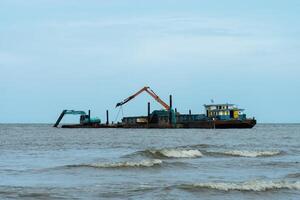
(41, 162)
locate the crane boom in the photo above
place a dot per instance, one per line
(150, 92)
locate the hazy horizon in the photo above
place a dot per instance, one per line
(82, 55)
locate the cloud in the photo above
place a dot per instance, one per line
(150, 38)
(159, 24)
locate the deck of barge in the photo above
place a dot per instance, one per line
(212, 124)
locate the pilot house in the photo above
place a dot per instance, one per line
(224, 112)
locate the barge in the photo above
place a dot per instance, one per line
(216, 116)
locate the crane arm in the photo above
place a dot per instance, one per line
(150, 92)
(131, 97)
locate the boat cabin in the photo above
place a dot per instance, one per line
(224, 111)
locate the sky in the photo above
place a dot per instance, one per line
(91, 54)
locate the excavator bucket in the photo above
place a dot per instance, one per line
(118, 104)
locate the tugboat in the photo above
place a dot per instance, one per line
(228, 116)
(217, 116)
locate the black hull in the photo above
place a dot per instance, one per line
(221, 124)
(90, 126)
(210, 124)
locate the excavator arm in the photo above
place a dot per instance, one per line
(131, 97)
(69, 112)
(150, 92)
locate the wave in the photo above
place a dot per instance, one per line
(293, 175)
(197, 146)
(174, 153)
(198, 151)
(127, 164)
(257, 186)
(246, 153)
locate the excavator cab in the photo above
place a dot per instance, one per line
(86, 119)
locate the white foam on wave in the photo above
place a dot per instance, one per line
(248, 186)
(178, 153)
(249, 153)
(142, 163)
(252, 153)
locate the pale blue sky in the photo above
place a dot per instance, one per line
(63, 54)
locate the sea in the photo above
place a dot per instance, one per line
(38, 161)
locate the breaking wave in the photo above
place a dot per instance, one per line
(257, 186)
(127, 164)
(246, 153)
(174, 153)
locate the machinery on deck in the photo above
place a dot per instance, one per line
(85, 119)
(150, 92)
(167, 114)
(217, 116)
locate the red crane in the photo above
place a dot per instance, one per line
(150, 92)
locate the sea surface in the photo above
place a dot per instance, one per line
(41, 162)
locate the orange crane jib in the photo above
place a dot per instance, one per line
(150, 92)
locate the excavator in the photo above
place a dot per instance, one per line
(168, 111)
(85, 120)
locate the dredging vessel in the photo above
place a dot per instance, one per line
(216, 116)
